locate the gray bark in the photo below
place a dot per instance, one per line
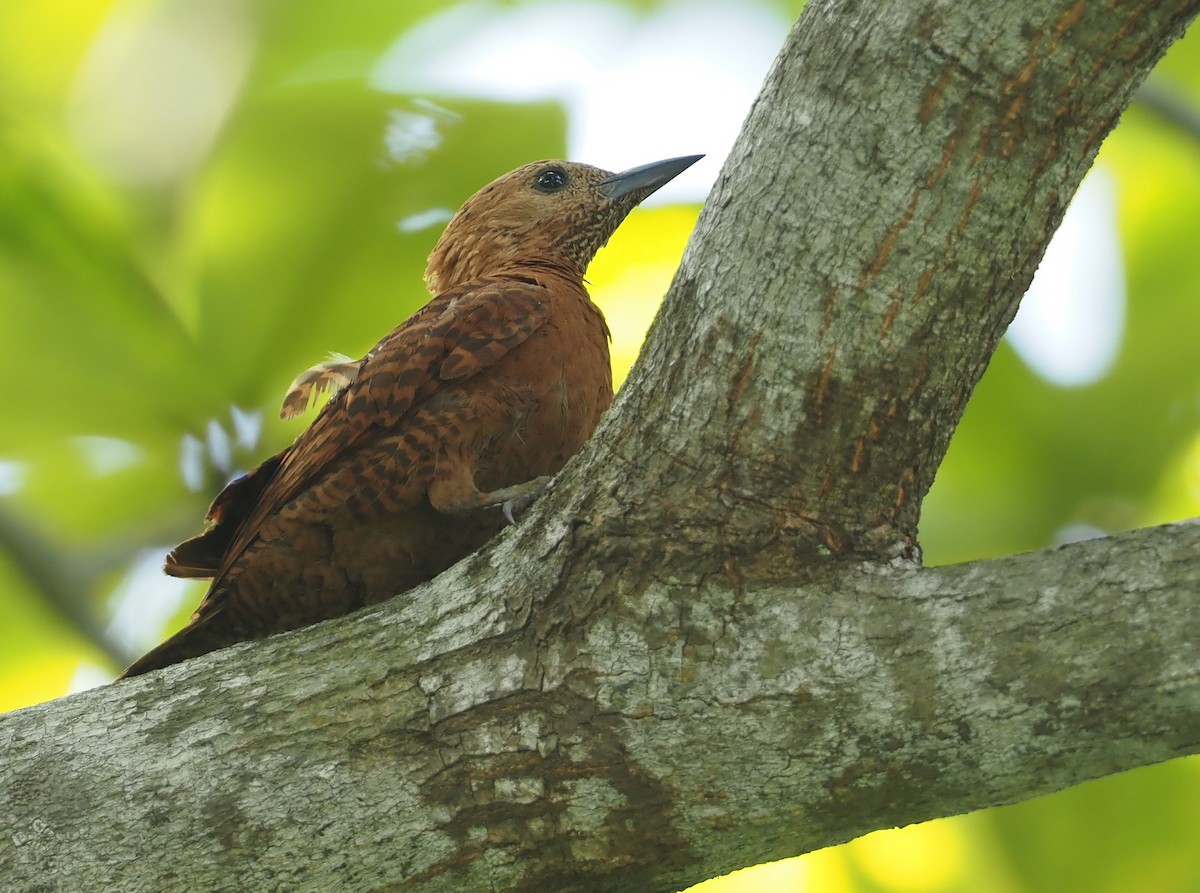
(711, 643)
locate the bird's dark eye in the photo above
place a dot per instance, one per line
(552, 179)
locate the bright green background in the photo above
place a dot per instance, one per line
(144, 313)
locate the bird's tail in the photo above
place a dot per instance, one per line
(197, 638)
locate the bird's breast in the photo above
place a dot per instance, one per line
(556, 384)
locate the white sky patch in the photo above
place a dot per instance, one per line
(220, 447)
(1072, 319)
(247, 426)
(12, 476)
(191, 462)
(637, 88)
(1077, 533)
(144, 601)
(108, 455)
(410, 136)
(424, 220)
(490, 49)
(88, 676)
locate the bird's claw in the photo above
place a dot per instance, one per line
(522, 497)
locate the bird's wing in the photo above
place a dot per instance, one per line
(454, 336)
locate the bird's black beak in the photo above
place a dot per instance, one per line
(646, 178)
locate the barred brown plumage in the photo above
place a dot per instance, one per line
(470, 403)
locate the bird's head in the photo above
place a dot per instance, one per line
(556, 212)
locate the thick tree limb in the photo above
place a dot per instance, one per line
(873, 231)
(711, 643)
(693, 729)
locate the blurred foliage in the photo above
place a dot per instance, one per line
(158, 293)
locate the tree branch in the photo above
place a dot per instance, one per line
(477, 754)
(874, 229)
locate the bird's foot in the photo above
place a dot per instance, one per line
(516, 499)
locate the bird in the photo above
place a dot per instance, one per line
(455, 418)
